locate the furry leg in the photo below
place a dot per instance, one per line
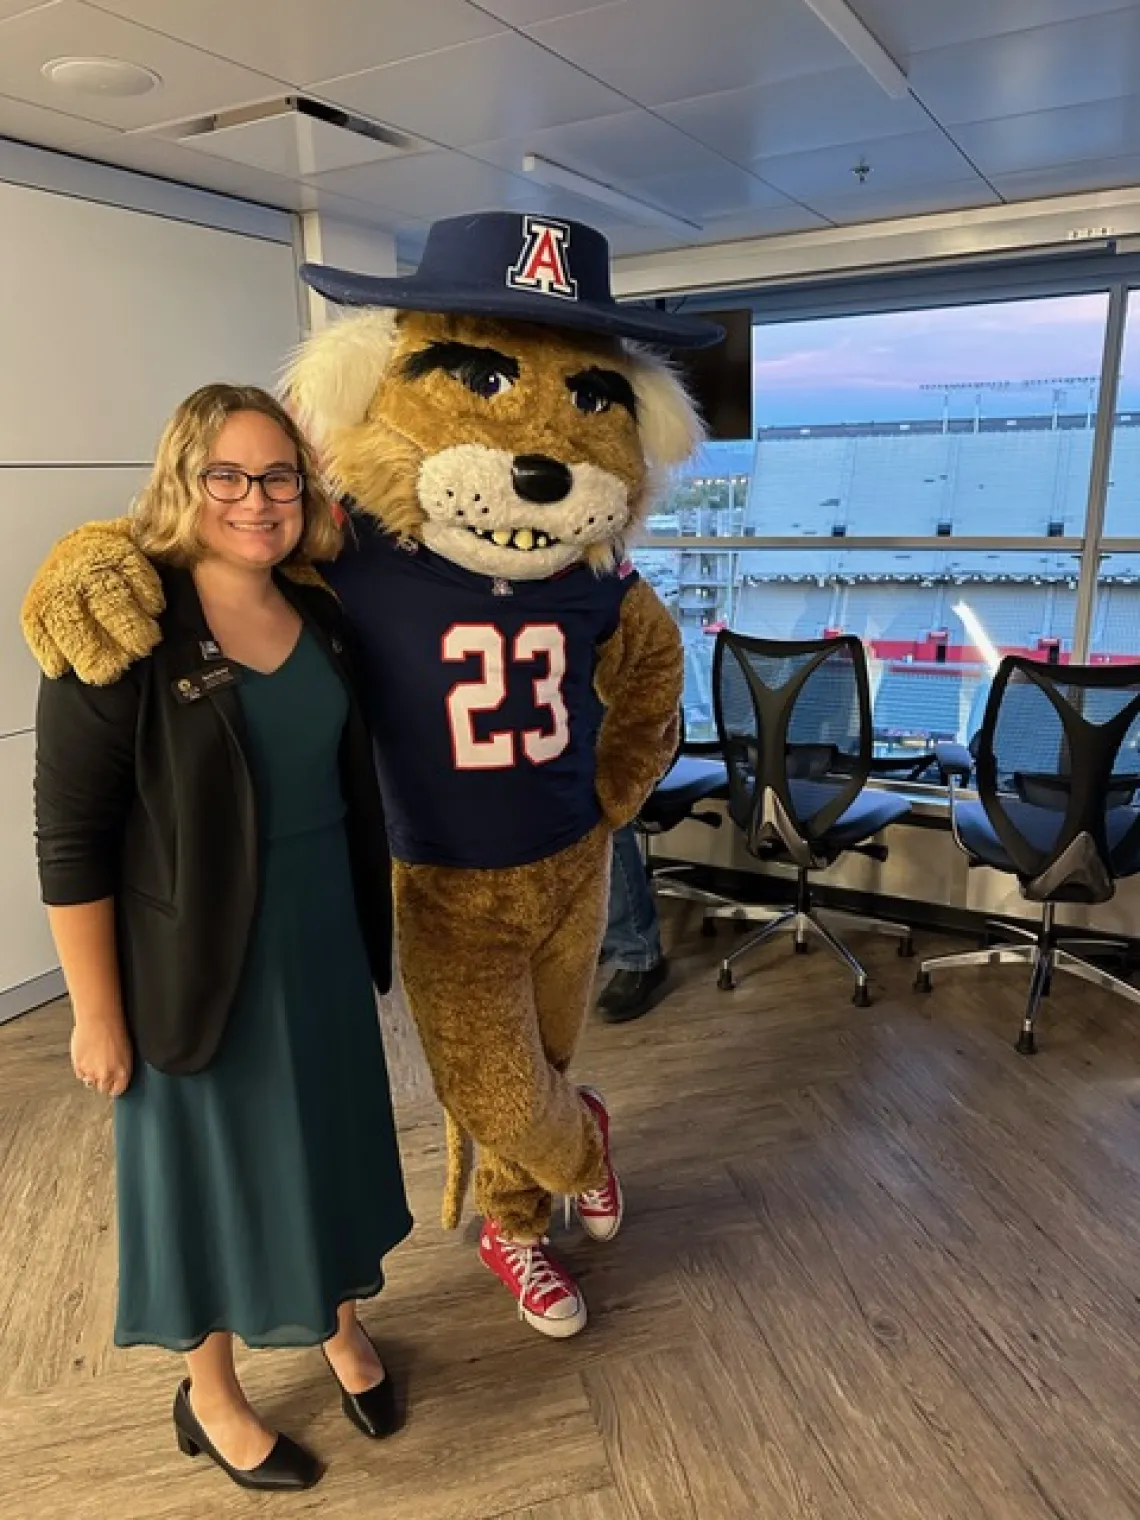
(468, 941)
(562, 980)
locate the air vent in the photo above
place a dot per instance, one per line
(293, 136)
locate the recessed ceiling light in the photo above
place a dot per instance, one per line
(101, 76)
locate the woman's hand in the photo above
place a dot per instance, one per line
(101, 1056)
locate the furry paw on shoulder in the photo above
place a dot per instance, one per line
(93, 605)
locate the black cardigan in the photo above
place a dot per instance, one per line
(143, 793)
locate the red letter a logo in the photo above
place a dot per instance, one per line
(542, 265)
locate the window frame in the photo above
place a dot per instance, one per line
(975, 283)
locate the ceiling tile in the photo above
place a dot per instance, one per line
(499, 87)
(841, 107)
(907, 200)
(167, 160)
(426, 186)
(762, 222)
(300, 41)
(295, 146)
(1043, 69)
(656, 51)
(631, 145)
(17, 7)
(1103, 129)
(525, 196)
(46, 129)
(629, 241)
(917, 158)
(1069, 179)
(193, 82)
(905, 27)
(527, 12)
(699, 195)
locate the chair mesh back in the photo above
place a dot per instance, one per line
(1059, 772)
(794, 722)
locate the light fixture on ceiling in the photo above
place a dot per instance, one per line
(863, 46)
(101, 76)
(558, 178)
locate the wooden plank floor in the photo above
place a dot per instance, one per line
(876, 1267)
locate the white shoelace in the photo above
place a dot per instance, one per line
(534, 1268)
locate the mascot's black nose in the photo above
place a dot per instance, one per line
(537, 478)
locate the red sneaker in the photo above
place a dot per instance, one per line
(600, 1211)
(548, 1297)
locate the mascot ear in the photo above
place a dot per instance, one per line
(331, 379)
(667, 420)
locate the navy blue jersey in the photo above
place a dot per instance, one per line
(481, 697)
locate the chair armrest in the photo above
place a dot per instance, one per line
(955, 762)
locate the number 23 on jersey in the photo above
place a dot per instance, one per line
(539, 644)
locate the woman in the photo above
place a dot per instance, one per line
(213, 856)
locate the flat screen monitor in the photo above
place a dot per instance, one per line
(720, 378)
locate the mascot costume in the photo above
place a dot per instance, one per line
(499, 425)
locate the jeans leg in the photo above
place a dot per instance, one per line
(633, 934)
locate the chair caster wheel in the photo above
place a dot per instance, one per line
(724, 981)
(708, 928)
(1027, 1043)
(801, 946)
(906, 949)
(862, 997)
(922, 982)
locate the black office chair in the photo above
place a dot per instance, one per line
(1058, 776)
(695, 777)
(795, 729)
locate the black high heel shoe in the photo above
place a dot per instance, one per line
(287, 1468)
(376, 1413)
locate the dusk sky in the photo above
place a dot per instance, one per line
(872, 369)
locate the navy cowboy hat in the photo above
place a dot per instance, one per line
(526, 268)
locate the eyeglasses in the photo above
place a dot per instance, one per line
(228, 485)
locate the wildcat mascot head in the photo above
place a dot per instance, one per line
(498, 405)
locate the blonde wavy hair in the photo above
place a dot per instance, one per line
(165, 514)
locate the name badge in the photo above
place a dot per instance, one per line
(200, 683)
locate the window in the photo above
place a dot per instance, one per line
(914, 428)
(1122, 504)
(1115, 632)
(934, 622)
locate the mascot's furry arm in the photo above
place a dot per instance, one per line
(639, 678)
(94, 604)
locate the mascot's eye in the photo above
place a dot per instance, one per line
(484, 380)
(590, 397)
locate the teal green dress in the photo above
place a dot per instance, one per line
(258, 1195)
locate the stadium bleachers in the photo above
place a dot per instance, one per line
(926, 705)
(775, 611)
(1006, 478)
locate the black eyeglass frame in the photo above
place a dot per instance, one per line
(250, 482)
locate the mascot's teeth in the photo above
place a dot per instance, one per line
(515, 538)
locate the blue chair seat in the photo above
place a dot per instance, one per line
(1041, 828)
(690, 781)
(870, 811)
